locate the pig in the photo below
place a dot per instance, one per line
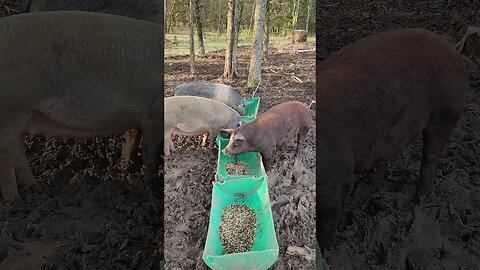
(375, 97)
(277, 126)
(149, 10)
(194, 116)
(76, 74)
(217, 91)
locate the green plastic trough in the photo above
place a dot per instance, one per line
(250, 190)
(251, 109)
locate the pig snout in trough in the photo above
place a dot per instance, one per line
(374, 98)
(194, 116)
(148, 10)
(74, 74)
(277, 126)
(217, 91)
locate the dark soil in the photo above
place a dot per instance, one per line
(88, 215)
(381, 228)
(190, 171)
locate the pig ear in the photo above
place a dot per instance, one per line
(228, 130)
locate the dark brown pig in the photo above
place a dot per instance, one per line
(149, 10)
(374, 98)
(75, 74)
(277, 126)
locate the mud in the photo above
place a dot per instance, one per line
(88, 215)
(191, 169)
(381, 228)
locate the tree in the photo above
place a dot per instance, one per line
(192, 43)
(267, 29)
(255, 69)
(309, 9)
(232, 39)
(296, 7)
(170, 17)
(198, 20)
(250, 26)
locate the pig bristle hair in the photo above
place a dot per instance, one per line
(195, 97)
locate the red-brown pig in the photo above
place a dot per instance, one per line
(374, 98)
(277, 126)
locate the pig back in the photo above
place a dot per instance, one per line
(149, 10)
(204, 112)
(282, 122)
(89, 64)
(220, 92)
(377, 95)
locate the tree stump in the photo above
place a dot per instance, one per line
(299, 36)
(469, 46)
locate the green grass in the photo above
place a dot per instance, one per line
(212, 42)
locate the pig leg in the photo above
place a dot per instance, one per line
(434, 138)
(23, 170)
(9, 149)
(152, 149)
(335, 178)
(130, 146)
(204, 139)
(302, 137)
(168, 143)
(213, 135)
(267, 159)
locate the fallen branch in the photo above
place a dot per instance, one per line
(310, 50)
(297, 79)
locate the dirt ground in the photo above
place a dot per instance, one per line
(190, 171)
(88, 215)
(381, 229)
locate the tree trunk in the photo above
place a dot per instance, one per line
(296, 4)
(255, 69)
(267, 30)
(171, 17)
(192, 43)
(309, 9)
(250, 26)
(240, 14)
(232, 38)
(198, 20)
(165, 17)
(221, 21)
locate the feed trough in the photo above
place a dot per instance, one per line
(246, 187)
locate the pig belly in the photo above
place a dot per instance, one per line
(381, 147)
(184, 129)
(39, 124)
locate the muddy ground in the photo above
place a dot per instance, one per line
(88, 215)
(190, 171)
(381, 229)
